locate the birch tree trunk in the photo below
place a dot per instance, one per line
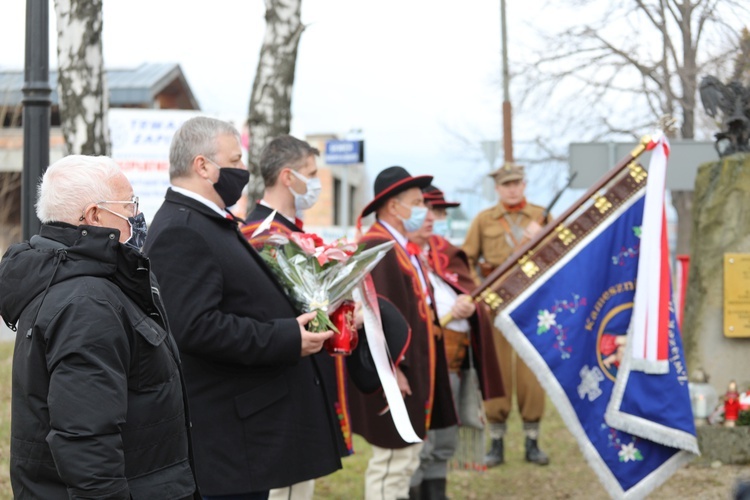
(81, 82)
(270, 112)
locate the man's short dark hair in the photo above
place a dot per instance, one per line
(284, 152)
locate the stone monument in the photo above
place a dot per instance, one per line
(721, 245)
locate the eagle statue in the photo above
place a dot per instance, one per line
(733, 100)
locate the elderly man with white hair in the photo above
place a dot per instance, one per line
(98, 408)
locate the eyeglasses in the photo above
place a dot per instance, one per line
(132, 202)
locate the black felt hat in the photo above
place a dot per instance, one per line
(360, 363)
(390, 182)
(436, 198)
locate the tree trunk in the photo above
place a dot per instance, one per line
(81, 84)
(741, 72)
(270, 113)
(10, 209)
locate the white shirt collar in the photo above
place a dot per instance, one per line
(401, 239)
(265, 204)
(192, 194)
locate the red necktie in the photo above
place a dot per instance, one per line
(413, 249)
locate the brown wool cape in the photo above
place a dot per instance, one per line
(451, 265)
(430, 406)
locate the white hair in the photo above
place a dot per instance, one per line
(72, 183)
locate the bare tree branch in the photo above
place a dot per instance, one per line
(640, 60)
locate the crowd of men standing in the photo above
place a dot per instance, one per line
(169, 362)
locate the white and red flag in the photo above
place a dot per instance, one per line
(651, 309)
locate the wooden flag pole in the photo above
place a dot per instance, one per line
(485, 293)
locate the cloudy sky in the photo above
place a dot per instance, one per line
(420, 78)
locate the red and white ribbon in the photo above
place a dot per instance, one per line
(365, 293)
(650, 324)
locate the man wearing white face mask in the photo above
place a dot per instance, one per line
(290, 175)
(421, 368)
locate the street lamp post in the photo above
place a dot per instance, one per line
(36, 110)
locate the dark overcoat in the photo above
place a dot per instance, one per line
(261, 417)
(423, 361)
(332, 369)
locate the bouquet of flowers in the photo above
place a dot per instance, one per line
(318, 276)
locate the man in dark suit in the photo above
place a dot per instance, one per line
(290, 176)
(261, 417)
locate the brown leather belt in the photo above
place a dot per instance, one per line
(454, 342)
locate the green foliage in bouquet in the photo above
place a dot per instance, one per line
(319, 276)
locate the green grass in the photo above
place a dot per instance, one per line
(567, 477)
(6, 363)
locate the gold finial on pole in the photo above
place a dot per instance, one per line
(667, 124)
(641, 147)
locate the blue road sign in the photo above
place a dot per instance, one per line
(345, 152)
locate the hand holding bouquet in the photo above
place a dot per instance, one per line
(318, 276)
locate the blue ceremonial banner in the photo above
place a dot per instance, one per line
(571, 327)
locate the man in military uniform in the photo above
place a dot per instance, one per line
(493, 236)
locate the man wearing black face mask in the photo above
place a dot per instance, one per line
(261, 415)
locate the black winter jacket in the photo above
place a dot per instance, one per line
(98, 407)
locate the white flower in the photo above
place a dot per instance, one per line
(546, 319)
(628, 452)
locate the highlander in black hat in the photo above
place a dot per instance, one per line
(436, 198)
(392, 181)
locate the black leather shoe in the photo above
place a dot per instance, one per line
(434, 489)
(496, 455)
(534, 454)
